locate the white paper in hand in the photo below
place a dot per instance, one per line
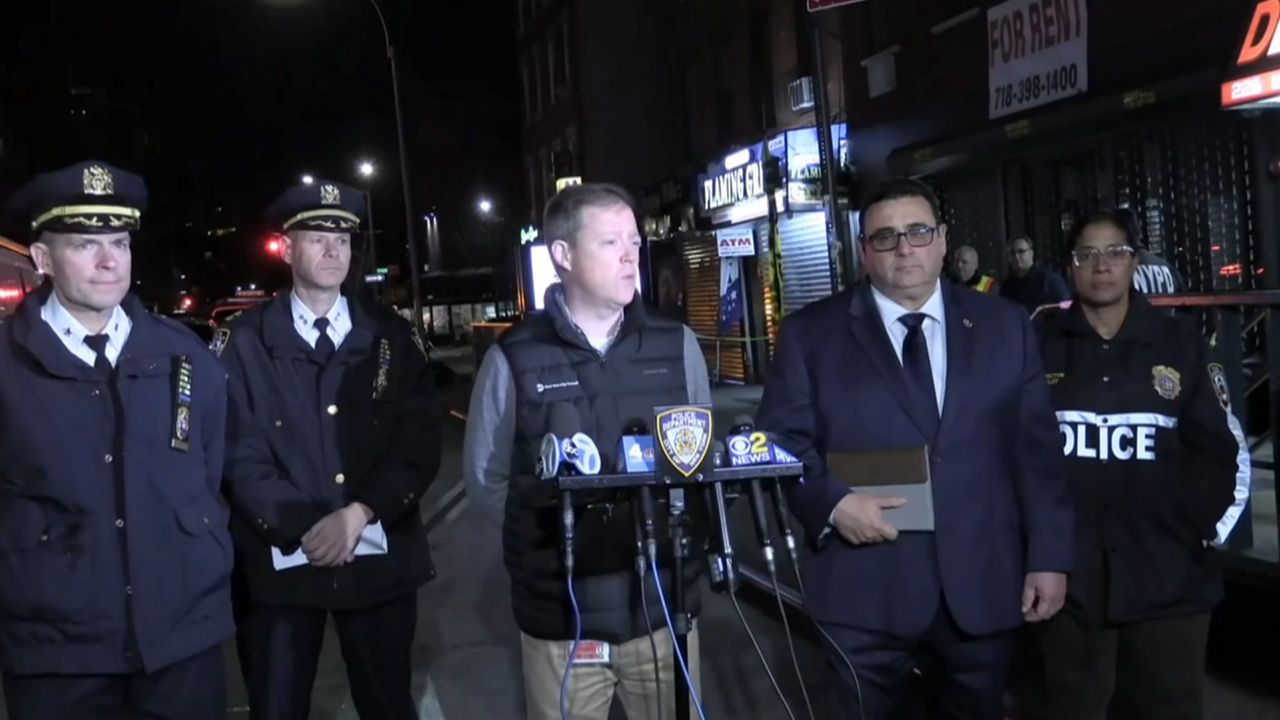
(373, 541)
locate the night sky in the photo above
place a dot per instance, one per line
(238, 98)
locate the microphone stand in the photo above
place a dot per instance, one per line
(679, 519)
(680, 524)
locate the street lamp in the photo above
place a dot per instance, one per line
(414, 265)
(485, 206)
(307, 180)
(366, 169)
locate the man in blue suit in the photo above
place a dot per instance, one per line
(903, 360)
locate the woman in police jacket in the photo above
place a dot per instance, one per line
(1160, 474)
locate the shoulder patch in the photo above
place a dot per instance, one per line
(1218, 379)
(220, 338)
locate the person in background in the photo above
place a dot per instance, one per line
(334, 437)
(1030, 284)
(115, 560)
(1153, 275)
(1159, 472)
(965, 267)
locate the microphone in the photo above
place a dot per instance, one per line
(758, 447)
(783, 514)
(635, 455)
(567, 450)
(722, 563)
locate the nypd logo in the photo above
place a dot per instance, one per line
(684, 434)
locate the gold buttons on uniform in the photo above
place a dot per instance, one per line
(339, 478)
(332, 409)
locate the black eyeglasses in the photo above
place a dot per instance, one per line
(887, 240)
(1091, 256)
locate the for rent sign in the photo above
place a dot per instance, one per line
(1037, 53)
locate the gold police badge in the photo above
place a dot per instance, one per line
(1167, 381)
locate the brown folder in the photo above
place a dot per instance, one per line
(902, 472)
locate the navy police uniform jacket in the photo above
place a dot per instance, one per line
(114, 550)
(1157, 462)
(307, 438)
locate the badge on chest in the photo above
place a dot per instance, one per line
(1167, 381)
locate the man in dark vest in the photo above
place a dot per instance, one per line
(333, 438)
(592, 347)
(115, 561)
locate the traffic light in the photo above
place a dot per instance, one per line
(275, 246)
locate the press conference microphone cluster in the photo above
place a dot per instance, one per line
(749, 447)
(566, 450)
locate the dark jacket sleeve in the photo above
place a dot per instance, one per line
(401, 476)
(788, 411)
(213, 435)
(1215, 471)
(1047, 514)
(267, 502)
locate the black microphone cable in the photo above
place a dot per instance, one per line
(764, 534)
(783, 514)
(791, 642)
(857, 686)
(642, 570)
(767, 546)
(733, 597)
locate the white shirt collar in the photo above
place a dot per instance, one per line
(890, 310)
(304, 320)
(72, 333)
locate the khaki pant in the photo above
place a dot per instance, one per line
(591, 687)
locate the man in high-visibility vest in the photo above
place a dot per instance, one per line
(965, 265)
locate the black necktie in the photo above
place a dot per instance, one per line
(98, 343)
(915, 361)
(324, 344)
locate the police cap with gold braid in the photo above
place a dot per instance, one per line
(323, 205)
(90, 197)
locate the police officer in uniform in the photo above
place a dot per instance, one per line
(1160, 474)
(333, 438)
(115, 559)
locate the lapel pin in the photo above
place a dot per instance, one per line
(967, 322)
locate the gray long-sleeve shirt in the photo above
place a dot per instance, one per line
(491, 424)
